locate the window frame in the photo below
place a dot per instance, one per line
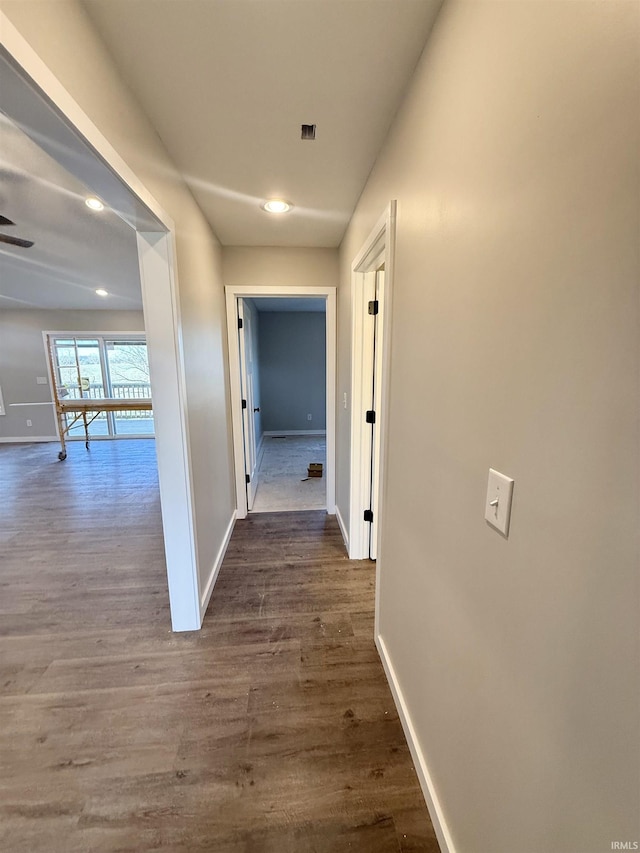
(102, 338)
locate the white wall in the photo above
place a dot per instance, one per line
(279, 267)
(63, 36)
(23, 358)
(515, 345)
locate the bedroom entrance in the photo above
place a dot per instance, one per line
(282, 363)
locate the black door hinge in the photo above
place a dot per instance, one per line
(247, 478)
(371, 417)
(368, 515)
(374, 306)
(240, 324)
(244, 404)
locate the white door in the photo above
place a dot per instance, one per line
(372, 375)
(375, 406)
(246, 337)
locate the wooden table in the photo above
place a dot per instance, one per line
(81, 408)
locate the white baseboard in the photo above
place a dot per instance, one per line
(426, 782)
(343, 528)
(21, 439)
(271, 432)
(206, 594)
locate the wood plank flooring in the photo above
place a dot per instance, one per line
(272, 730)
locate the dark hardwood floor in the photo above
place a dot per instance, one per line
(272, 730)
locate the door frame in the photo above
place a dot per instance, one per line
(233, 292)
(33, 97)
(377, 250)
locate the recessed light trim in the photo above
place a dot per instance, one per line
(102, 292)
(94, 203)
(277, 205)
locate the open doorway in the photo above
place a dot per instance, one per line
(282, 363)
(72, 324)
(283, 374)
(33, 100)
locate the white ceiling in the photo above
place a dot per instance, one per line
(227, 84)
(76, 251)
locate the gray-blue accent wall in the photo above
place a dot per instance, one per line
(292, 370)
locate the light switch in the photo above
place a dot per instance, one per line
(497, 510)
(41, 380)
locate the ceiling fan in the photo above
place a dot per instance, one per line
(13, 241)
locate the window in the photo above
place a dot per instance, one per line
(104, 366)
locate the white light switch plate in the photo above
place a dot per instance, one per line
(497, 509)
(41, 380)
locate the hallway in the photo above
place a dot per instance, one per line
(272, 729)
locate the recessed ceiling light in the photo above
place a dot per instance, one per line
(94, 203)
(276, 205)
(101, 292)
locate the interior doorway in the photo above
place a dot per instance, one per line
(283, 377)
(282, 371)
(33, 99)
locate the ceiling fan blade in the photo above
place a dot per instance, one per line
(16, 241)
(5, 221)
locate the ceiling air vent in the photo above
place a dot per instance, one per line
(308, 131)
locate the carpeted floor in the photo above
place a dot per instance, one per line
(282, 481)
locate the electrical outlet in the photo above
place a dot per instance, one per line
(41, 380)
(309, 417)
(29, 423)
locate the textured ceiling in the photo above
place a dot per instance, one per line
(227, 84)
(75, 252)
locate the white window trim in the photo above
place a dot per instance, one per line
(101, 338)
